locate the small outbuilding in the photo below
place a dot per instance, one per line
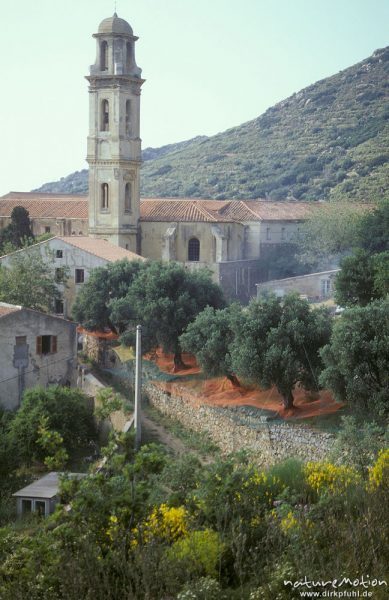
(41, 496)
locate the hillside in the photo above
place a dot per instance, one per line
(329, 140)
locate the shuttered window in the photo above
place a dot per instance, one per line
(46, 344)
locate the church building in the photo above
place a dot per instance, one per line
(230, 236)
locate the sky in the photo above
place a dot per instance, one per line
(209, 65)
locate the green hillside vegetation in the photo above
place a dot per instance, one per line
(329, 140)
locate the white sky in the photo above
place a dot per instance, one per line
(209, 65)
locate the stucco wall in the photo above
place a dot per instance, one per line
(235, 429)
(44, 370)
(279, 232)
(56, 225)
(153, 243)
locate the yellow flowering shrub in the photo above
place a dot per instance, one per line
(199, 552)
(112, 529)
(166, 523)
(289, 522)
(327, 477)
(263, 487)
(379, 472)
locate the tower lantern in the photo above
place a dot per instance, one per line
(114, 144)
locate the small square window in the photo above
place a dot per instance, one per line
(79, 276)
(46, 344)
(59, 254)
(20, 340)
(47, 229)
(26, 506)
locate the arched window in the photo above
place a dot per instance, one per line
(127, 198)
(193, 250)
(129, 56)
(104, 125)
(103, 56)
(104, 196)
(128, 117)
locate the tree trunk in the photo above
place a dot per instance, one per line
(288, 400)
(178, 362)
(234, 380)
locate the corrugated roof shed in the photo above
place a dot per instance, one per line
(45, 487)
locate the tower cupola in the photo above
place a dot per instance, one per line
(115, 53)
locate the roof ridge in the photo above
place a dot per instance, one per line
(204, 211)
(251, 210)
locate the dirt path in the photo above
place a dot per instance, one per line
(154, 432)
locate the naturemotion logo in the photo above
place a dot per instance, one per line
(361, 587)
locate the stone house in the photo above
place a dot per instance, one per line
(35, 349)
(78, 255)
(315, 286)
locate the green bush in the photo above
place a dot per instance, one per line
(67, 413)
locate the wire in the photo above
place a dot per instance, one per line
(43, 366)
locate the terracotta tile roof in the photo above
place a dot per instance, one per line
(101, 248)
(6, 309)
(166, 209)
(48, 206)
(103, 335)
(43, 205)
(279, 211)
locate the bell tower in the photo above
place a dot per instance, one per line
(114, 144)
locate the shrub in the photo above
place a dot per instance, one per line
(66, 412)
(379, 472)
(290, 474)
(199, 552)
(165, 523)
(204, 588)
(325, 477)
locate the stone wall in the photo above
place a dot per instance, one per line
(234, 429)
(91, 386)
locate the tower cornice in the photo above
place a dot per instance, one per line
(110, 80)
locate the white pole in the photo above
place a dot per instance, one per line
(138, 385)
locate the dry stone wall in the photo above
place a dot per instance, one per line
(232, 429)
(91, 386)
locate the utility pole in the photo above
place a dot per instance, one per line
(138, 385)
